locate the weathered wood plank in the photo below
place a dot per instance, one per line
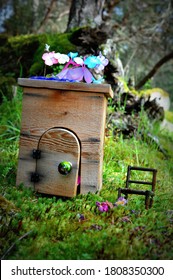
(100, 88)
(78, 113)
(26, 163)
(92, 158)
(58, 145)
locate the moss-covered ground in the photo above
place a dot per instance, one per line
(34, 226)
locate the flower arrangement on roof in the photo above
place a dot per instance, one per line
(76, 68)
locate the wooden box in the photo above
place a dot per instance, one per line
(62, 123)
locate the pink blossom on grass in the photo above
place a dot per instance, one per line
(102, 206)
(121, 201)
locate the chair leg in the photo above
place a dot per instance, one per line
(151, 201)
(147, 199)
(119, 192)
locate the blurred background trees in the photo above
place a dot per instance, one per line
(142, 31)
(33, 16)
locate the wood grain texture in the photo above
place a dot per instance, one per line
(58, 145)
(26, 163)
(78, 87)
(81, 112)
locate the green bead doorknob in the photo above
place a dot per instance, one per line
(65, 167)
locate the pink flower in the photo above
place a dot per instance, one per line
(49, 58)
(78, 180)
(102, 206)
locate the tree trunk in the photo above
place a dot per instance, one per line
(85, 13)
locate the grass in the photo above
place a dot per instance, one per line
(169, 116)
(35, 226)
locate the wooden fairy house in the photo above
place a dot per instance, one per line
(62, 136)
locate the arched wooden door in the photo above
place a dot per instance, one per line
(58, 166)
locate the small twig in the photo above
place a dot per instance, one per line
(130, 59)
(109, 119)
(13, 245)
(44, 74)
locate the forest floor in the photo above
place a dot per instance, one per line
(35, 226)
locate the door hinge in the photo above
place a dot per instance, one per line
(36, 154)
(35, 177)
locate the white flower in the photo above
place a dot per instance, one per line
(78, 60)
(47, 47)
(62, 58)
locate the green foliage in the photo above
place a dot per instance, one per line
(6, 84)
(148, 85)
(61, 42)
(169, 116)
(21, 56)
(46, 227)
(11, 116)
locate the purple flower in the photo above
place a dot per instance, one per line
(80, 217)
(125, 219)
(121, 201)
(103, 62)
(77, 74)
(102, 206)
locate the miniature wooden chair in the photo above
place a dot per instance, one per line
(149, 194)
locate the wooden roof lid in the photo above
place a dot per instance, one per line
(77, 86)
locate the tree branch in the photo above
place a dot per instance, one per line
(156, 67)
(43, 22)
(13, 245)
